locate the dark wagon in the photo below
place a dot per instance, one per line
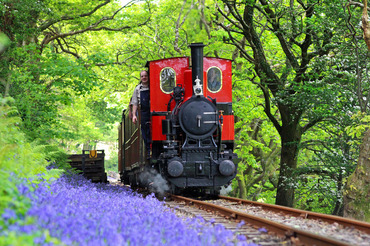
(91, 164)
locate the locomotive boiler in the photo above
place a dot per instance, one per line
(192, 126)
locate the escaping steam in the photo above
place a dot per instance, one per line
(154, 181)
(225, 190)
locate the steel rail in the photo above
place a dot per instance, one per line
(295, 234)
(360, 225)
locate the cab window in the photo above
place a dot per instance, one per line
(168, 80)
(214, 79)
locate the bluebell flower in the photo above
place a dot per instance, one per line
(9, 214)
(262, 229)
(23, 188)
(39, 240)
(79, 212)
(241, 223)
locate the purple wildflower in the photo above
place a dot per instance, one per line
(79, 212)
(9, 214)
(262, 229)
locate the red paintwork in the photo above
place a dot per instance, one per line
(159, 99)
(228, 127)
(225, 94)
(157, 128)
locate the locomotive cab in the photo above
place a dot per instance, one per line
(192, 124)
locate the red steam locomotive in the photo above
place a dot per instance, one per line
(192, 127)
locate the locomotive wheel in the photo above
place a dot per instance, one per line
(125, 179)
(175, 190)
(133, 181)
(104, 178)
(215, 192)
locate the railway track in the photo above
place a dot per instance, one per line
(254, 235)
(239, 210)
(260, 227)
(359, 225)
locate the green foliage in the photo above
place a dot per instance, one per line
(19, 17)
(15, 151)
(326, 161)
(357, 193)
(112, 163)
(20, 161)
(257, 142)
(86, 122)
(71, 90)
(358, 129)
(317, 194)
(4, 41)
(307, 72)
(40, 77)
(40, 88)
(14, 238)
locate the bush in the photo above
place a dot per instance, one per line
(20, 163)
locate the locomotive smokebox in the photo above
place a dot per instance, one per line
(197, 67)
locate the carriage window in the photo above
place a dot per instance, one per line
(214, 79)
(168, 79)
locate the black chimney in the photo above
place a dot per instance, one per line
(197, 62)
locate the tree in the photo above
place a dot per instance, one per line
(357, 190)
(257, 142)
(51, 59)
(290, 76)
(366, 24)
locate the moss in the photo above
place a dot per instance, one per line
(357, 196)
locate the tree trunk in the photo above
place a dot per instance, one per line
(357, 192)
(366, 25)
(290, 138)
(356, 195)
(338, 209)
(242, 187)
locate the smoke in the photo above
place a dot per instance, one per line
(225, 190)
(154, 181)
(113, 176)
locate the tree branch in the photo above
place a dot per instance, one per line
(236, 43)
(284, 44)
(93, 27)
(267, 108)
(50, 36)
(357, 4)
(180, 21)
(311, 124)
(67, 50)
(49, 23)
